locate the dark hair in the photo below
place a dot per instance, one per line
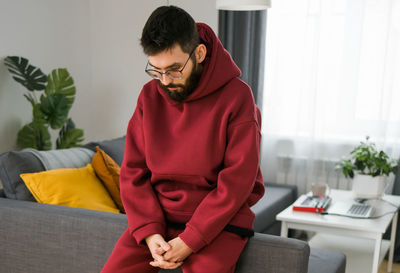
(167, 26)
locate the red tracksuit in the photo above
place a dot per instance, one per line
(193, 162)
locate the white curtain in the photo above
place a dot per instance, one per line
(332, 77)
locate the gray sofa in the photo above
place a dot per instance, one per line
(45, 238)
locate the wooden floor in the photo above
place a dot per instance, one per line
(383, 267)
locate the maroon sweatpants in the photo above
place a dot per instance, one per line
(218, 257)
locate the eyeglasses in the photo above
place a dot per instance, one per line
(173, 74)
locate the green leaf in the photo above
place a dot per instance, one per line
(28, 75)
(345, 172)
(30, 98)
(69, 136)
(34, 135)
(55, 109)
(38, 115)
(59, 81)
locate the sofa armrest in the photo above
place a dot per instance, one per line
(48, 238)
(266, 253)
(292, 187)
(269, 253)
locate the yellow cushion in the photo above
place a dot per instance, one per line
(108, 171)
(76, 187)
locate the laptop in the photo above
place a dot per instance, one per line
(351, 209)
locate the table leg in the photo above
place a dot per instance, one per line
(377, 251)
(284, 229)
(392, 239)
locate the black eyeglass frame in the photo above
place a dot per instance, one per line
(154, 76)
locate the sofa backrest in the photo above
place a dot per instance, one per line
(14, 163)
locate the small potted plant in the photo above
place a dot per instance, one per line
(369, 169)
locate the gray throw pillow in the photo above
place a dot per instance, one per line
(63, 158)
(12, 164)
(114, 148)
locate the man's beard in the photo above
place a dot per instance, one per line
(184, 90)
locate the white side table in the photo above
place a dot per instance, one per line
(345, 227)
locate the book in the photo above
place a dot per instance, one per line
(314, 204)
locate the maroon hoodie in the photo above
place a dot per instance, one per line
(196, 161)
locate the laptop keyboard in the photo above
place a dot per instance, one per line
(359, 210)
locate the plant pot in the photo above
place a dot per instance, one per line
(366, 186)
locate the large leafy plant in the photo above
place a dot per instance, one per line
(366, 159)
(51, 98)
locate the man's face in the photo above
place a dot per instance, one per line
(175, 59)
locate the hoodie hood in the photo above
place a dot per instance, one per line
(218, 66)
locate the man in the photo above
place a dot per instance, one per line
(191, 166)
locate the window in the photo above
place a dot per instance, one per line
(333, 69)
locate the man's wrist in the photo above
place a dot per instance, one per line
(148, 238)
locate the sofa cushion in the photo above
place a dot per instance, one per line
(41, 238)
(12, 164)
(275, 199)
(322, 260)
(108, 171)
(114, 148)
(73, 187)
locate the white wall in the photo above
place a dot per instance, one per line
(97, 41)
(50, 34)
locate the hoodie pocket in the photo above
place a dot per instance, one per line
(180, 193)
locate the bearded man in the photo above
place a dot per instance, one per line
(191, 165)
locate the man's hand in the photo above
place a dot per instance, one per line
(158, 246)
(178, 252)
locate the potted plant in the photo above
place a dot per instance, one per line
(369, 169)
(51, 97)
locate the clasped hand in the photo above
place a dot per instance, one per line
(167, 255)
